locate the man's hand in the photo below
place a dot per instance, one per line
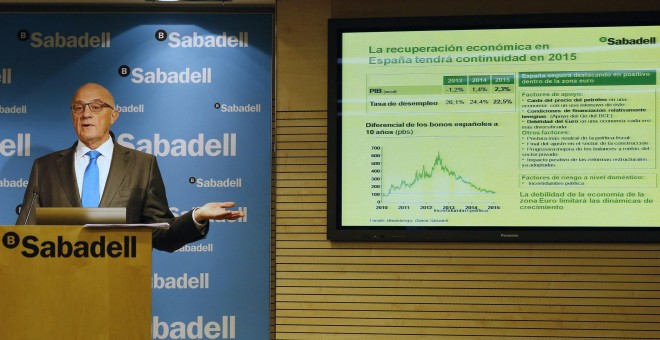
(217, 211)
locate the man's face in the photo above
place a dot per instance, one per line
(93, 128)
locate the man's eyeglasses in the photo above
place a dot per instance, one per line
(95, 106)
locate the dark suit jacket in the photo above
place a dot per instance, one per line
(134, 182)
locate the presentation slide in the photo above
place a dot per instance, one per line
(551, 127)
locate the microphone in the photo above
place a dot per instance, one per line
(27, 216)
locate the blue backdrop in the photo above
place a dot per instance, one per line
(196, 90)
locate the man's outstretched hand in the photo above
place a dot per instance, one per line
(217, 211)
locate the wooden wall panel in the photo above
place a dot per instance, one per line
(330, 290)
(299, 55)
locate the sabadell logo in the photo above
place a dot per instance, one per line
(59, 40)
(5, 76)
(201, 146)
(18, 145)
(31, 246)
(138, 75)
(629, 40)
(222, 328)
(197, 40)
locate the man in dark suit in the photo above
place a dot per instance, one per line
(127, 178)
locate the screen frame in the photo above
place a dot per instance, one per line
(337, 232)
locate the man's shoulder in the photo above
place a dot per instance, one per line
(132, 152)
(56, 154)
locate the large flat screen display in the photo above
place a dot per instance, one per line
(495, 128)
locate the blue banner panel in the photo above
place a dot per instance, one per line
(195, 90)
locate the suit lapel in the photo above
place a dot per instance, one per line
(67, 175)
(118, 168)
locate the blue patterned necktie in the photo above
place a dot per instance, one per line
(90, 192)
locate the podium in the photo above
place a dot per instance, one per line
(72, 282)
